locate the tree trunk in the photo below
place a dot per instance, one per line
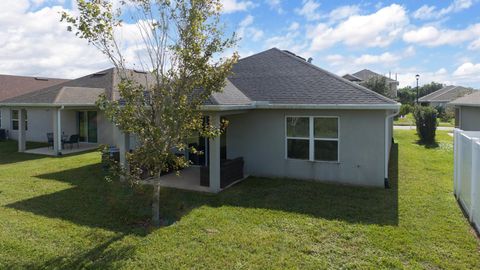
(156, 204)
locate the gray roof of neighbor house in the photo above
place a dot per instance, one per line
(351, 78)
(11, 86)
(472, 99)
(366, 74)
(446, 94)
(280, 77)
(83, 91)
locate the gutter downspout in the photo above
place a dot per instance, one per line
(387, 138)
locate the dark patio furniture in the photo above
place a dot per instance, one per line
(50, 139)
(231, 170)
(74, 139)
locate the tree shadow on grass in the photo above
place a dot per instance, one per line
(92, 201)
(428, 145)
(95, 203)
(329, 201)
(9, 152)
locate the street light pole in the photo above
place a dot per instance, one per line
(417, 77)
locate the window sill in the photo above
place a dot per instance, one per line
(314, 161)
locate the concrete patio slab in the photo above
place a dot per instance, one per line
(49, 151)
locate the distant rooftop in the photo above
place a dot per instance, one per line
(367, 74)
(446, 94)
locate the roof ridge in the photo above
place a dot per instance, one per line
(362, 88)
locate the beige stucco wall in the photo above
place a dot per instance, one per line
(470, 118)
(259, 137)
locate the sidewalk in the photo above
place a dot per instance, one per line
(413, 127)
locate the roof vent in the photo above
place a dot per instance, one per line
(99, 74)
(41, 79)
(291, 53)
(310, 59)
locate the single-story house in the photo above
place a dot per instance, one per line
(11, 86)
(442, 97)
(287, 118)
(366, 74)
(467, 112)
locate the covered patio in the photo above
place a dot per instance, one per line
(50, 151)
(213, 175)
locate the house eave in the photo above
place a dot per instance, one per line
(302, 106)
(43, 105)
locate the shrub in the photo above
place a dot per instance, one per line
(405, 109)
(426, 121)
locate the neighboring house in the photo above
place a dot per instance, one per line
(442, 97)
(287, 118)
(467, 112)
(68, 107)
(11, 86)
(366, 74)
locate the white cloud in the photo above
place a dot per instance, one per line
(468, 70)
(294, 26)
(431, 36)
(246, 30)
(407, 77)
(230, 6)
(367, 59)
(343, 12)
(475, 45)
(276, 5)
(309, 10)
(335, 59)
(36, 43)
(427, 12)
(378, 29)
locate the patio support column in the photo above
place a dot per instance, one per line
(214, 156)
(57, 131)
(22, 145)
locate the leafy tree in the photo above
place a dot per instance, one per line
(377, 84)
(183, 41)
(408, 94)
(429, 88)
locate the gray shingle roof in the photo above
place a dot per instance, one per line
(83, 91)
(468, 100)
(367, 74)
(279, 77)
(446, 94)
(351, 78)
(270, 77)
(12, 86)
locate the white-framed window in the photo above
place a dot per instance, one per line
(15, 116)
(314, 138)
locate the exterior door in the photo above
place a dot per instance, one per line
(87, 126)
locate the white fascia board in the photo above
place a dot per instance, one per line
(49, 105)
(303, 106)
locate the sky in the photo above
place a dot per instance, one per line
(439, 40)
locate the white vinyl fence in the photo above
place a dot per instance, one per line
(467, 173)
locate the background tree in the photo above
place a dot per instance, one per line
(182, 41)
(408, 94)
(377, 84)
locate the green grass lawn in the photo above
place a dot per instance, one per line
(59, 213)
(408, 120)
